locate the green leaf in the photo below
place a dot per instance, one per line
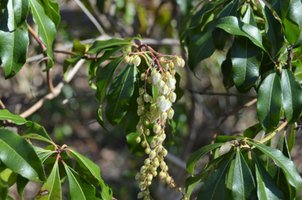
(267, 189)
(79, 188)
(224, 138)
(14, 40)
(36, 131)
(199, 153)
(51, 189)
(214, 187)
(233, 26)
(8, 177)
(291, 93)
(3, 190)
(269, 102)
(293, 22)
(21, 10)
(281, 7)
(52, 10)
(78, 47)
(70, 61)
(243, 182)
(21, 183)
(99, 45)
(119, 94)
(226, 69)
(246, 60)
(104, 78)
(284, 163)
(25, 162)
(291, 139)
(249, 16)
(43, 156)
(229, 10)
(252, 131)
(273, 33)
(46, 28)
(6, 115)
(99, 117)
(201, 46)
(94, 170)
(178, 91)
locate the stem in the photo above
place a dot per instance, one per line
(272, 134)
(2, 104)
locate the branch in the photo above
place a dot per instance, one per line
(221, 94)
(238, 109)
(2, 104)
(57, 90)
(91, 17)
(272, 134)
(49, 82)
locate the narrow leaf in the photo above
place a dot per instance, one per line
(25, 162)
(119, 94)
(269, 102)
(99, 45)
(284, 163)
(246, 60)
(252, 131)
(291, 96)
(104, 78)
(243, 182)
(3, 190)
(79, 188)
(21, 184)
(36, 131)
(51, 189)
(52, 10)
(94, 170)
(6, 115)
(291, 139)
(21, 10)
(46, 28)
(199, 153)
(99, 117)
(13, 41)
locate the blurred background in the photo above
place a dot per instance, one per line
(70, 118)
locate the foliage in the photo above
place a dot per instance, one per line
(263, 44)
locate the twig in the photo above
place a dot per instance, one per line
(91, 17)
(57, 90)
(156, 17)
(65, 101)
(2, 104)
(238, 109)
(272, 134)
(221, 94)
(49, 82)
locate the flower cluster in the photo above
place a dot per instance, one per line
(154, 112)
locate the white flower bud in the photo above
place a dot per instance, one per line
(170, 113)
(136, 60)
(156, 128)
(172, 97)
(163, 116)
(156, 77)
(165, 89)
(166, 66)
(165, 105)
(160, 85)
(171, 83)
(182, 62)
(127, 58)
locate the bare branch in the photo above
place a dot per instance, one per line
(2, 104)
(57, 90)
(222, 94)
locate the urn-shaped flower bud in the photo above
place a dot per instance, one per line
(136, 60)
(172, 97)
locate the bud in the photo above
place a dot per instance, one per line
(144, 144)
(139, 100)
(148, 183)
(150, 177)
(163, 182)
(138, 139)
(141, 91)
(140, 195)
(147, 150)
(153, 143)
(143, 76)
(146, 122)
(155, 163)
(136, 60)
(152, 154)
(171, 82)
(172, 97)
(162, 164)
(173, 71)
(147, 132)
(139, 111)
(177, 61)
(161, 59)
(149, 79)
(143, 169)
(182, 62)
(154, 173)
(164, 152)
(160, 85)
(147, 161)
(171, 65)
(172, 186)
(127, 58)
(165, 105)
(165, 89)
(166, 66)
(146, 193)
(170, 113)
(163, 116)
(156, 78)
(137, 176)
(162, 175)
(156, 128)
(168, 179)
(152, 107)
(166, 168)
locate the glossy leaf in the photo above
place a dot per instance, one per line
(226, 69)
(3, 190)
(179, 92)
(284, 163)
(43, 156)
(119, 94)
(8, 177)
(99, 117)
(243, 182)
(79, 188)
(21, 184)
(229, 10)
(252, 131)
(267, 189)
(25, 162)
(246, 60)
(199, 153)
(291, 96)
(70, 61)
(21, 10)
(36, 131)
(95, 172)
(46, 28)
(249, 17)
(104, 78)
(201, 46)
(6, 115)
(235, 27)
(52, 10)
(51, 189)
(291, 139)
(281, 7)
(273, 33)
(293, 22)
(224, 138)
(269, 102)
(99, 45)
(214, 187)
(14, 41)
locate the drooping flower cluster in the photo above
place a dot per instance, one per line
(154, 112)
